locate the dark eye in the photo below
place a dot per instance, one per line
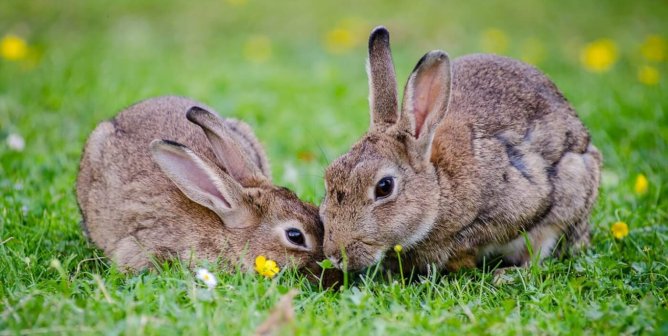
(295, 236)
(384, 187)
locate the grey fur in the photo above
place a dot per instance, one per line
(509, 156)
(134, 210)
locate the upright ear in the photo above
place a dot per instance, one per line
(201, 181)
(383, 100)
(228, 151)
(426, 97)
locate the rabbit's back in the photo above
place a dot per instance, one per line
(522, 147)
(124, 197)
(503, 97)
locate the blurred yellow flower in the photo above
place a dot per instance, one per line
(305, 155)
(641, 185)
(346, 35)
(398, 248)
(237, 3)
(339, 40)
(599, 56)
(494, 40)
(648, 75)
(266, 267)
(654, 48)
(532, 51)
(620, 230)
(13, 48)
(258, 49)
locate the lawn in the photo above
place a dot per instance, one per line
(295, 71)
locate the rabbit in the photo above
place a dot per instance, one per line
(167, 178)
(484, 155)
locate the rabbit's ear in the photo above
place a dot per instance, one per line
(426, 97)
(200, 180)
(383, 100)
(228, 152)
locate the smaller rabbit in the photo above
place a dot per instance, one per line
(481, 152)
(204, 192)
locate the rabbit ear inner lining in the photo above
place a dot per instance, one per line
(193, 176)
(427, 92)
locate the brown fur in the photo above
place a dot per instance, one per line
(134, 212)
(501, 152)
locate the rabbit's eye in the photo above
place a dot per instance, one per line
(384, 187)
(295, 236)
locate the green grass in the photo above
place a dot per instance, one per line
(91, 59)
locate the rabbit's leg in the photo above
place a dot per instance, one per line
(575, 239)
(541, 239)
(130, 254)
(574, 180)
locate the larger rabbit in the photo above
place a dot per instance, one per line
(480, 152)
(204, 192)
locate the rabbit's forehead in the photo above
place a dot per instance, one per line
(287, 223)
(308, 219)
(360, 176)
(373, 153)
(365, 164)
(278, 204)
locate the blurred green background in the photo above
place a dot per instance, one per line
(295, 71)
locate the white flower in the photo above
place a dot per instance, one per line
(16, 142)
(207, 277)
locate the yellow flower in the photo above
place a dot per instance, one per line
(346, 35)
(258, 49)
(620, 230)
(641, 184)
(13, 48)
(266, 267)
(398, 248)
(648, 75)
(599, 56)
(494, 40)
(654, 48)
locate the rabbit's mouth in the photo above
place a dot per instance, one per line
(357, 256)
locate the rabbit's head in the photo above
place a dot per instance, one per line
(257, 218)
(385, 191)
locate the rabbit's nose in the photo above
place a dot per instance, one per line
(333, 254)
